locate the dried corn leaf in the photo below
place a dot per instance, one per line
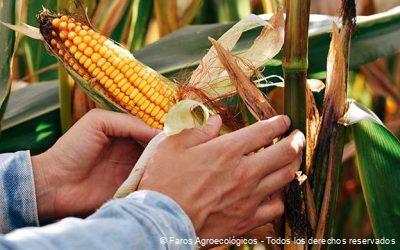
(248, 91)
(313, 122)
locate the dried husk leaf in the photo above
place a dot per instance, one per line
(185, 114)
(210, 75)
(132, 182)
(25, 29)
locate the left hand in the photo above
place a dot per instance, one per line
(86, 166)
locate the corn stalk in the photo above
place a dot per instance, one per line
(295, 65)
(329, 149)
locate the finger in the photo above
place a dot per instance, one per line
(268, 211)
(278, 179)
(275, 156)
(121, 125)
(257, 135)
(195, 136)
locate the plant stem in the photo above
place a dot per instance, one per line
(295, 65)
(295, 61)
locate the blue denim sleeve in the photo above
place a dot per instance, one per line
(143, 220)
(17, 192)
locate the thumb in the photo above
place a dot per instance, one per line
(195, 136)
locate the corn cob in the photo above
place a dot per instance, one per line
(111, 69)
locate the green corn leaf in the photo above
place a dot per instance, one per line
(36, 55)
(378, 157)
(31, 120)
(141, 13)
(7, 14)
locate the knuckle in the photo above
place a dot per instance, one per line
(268, 130)
(289, 174)
(292, 149)
(242, 176)
(281, 122)
(94, 112)
(242, 227)
(280, 208)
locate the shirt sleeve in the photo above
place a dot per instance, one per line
(17, 192)
(143, 220)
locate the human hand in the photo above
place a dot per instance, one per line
(223, 187)
(86, 165)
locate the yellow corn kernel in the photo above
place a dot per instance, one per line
(129, 90)
(88, 63)
(106, 66)
(155, 111)
(71, 26)
(87, 39)
(124, 69)
(95, 57)
(108, 83)
(63, 35)
(110, 71)
(77, 40)
(93, 43)
(82, 33)
(96, 72)
(103, 80)
(91, 67)
(83, 59)
(137, 97)
(63, 25)
(82, 47)
(122, 83)
(78, 55)
(125, 99)
(129, 73)
(112, 88)
(101, 62)
(88, 52)
(56, 22)
(119, 77)
(154, 96)
(116, 91)
(68, 43)
(150, 108)
(114, 73)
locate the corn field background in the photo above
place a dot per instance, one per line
(39, 102)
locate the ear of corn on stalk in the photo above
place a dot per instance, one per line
(109, 69)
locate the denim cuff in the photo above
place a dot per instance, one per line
(184, 226)
(17, 192)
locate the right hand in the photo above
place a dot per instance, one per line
(222, 186)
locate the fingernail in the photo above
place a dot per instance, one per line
(287, 120)
(299, 138)
(212, 120)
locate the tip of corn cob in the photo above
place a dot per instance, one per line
(108, 68)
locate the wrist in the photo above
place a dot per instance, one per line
(45, 187)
